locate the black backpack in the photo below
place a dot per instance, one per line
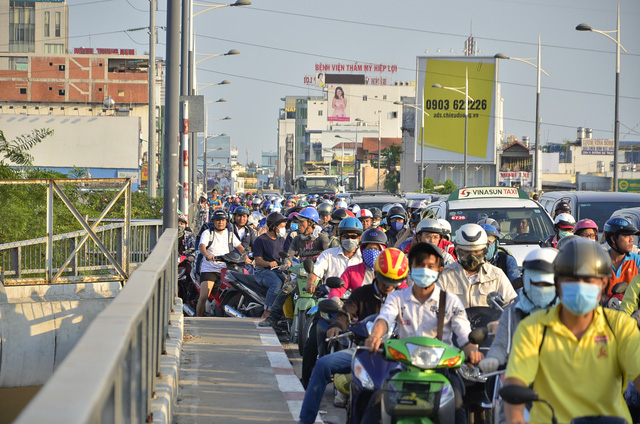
(199, 256)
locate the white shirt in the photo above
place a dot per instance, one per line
(417, 319)
(454, 279)
(219, 247)
(332, 262)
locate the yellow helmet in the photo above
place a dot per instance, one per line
(392, 266)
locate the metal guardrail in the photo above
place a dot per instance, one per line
(110, 375)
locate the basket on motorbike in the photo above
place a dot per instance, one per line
(411, 398)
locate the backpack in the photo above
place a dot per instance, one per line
(199, 255)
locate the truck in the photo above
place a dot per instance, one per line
(316, 184)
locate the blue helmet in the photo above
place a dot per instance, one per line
(310, 214)
(490, 230)
(350, 225)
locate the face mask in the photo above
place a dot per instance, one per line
(282, 232)
(541, 297)
(350, 245)
(563, 234)
(369, 257)
(294, 227)
(375, 224)
(469, 261)
(397, 225)
(491, 250)
(580, 298)
(424, 277)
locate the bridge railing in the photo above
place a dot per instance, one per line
(110, 375)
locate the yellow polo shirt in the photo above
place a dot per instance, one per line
(578, 377)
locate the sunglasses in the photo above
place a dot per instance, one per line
(350, 236)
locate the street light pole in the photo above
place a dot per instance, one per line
(151, 150)
(379, 145)
(616, 127)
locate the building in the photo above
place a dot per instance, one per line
(269, 161)
(516, 165)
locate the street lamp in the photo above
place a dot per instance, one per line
(223, 82)
(537, 170)
(466, 116)
(215, 101)
(210, 56)
(422, 141)
(616, 127)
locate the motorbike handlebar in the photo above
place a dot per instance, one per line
(339, 336)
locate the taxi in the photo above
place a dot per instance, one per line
(524, 224)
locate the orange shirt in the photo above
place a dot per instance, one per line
(628, 269)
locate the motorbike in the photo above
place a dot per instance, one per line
(186, 288)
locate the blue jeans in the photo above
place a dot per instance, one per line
(336, 363)
(272, 279)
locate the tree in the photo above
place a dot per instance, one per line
(428, 184)
(16, 152)
(391, 156)
(391, 181)
(447, 187)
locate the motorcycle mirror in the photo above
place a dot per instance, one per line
(518, 395)
(328, 306)
(619, 288)
(284, 255)
(308, 265)
(334, 282)
(233, 258)
(495, 300)
(478, 335)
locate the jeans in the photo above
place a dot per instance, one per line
(336, 363)
(272, 279)
(277, 305)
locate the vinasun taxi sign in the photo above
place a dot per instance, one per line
(487, 193)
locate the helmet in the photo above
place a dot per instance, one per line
(541, 259)
(376, 213)
(349, 213)
(385, 209)
(417, 204)
(564, 220)
(374, 235)
(582, 257)
(491, 231)
(219, 215)
(350, 225)
(415, 217)
(241, 210)
(392, 267)
(490, 221)
(274, 219)
(364, 213)
(429, 225)
(354, 208)
(266, 205)
(324, 209)
(583, 224)
(562, 207)
(564, 240)
(446, 226)
(616, 226)
(310, 214)
(338, 215)
(397, 212)
(302, 203)
(292, 215)
(341, 204)
(471, 237)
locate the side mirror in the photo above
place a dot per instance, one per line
(328, 306)
(495, 300)
(619, 288)
(334, 282)
(284, 255)
(478, 335)
(518, 395)
(308, 265)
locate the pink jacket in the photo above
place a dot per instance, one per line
(353, 277)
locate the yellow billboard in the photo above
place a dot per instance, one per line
(469, 80)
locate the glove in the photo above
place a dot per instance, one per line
(488, 365)
(636, 316)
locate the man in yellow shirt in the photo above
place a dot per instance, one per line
(577, 355)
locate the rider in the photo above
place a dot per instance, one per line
(364, 301)
(501, 257)
(586, 228)
(471, 278)
(324, 210)
(245, 234)
(618, 233)
(563, 225)
(366, 218)
(266, 253)
(221, 242)
(562, 207)
(396, 217)
(376, 217)
(186, 238)
(577, 355)
(428, 231)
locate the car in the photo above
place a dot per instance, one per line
(507, 205)
(595, 205)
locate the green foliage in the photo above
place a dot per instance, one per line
(391, 181)
(428, 186)
(16, 151)
(391, 156)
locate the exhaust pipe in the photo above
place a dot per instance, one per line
(187, 309)
(233, 312)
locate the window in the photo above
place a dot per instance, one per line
(319, 113)
(364, 98)
(61, 92)
(384, 97)
(54, 48)
(61, 68)
(47, 21)
(22, 27)
(18, 64)
(394, 114)
(23, 91)
(57, 24)
(120, 93)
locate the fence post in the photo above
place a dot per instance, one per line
(49, 246)
(16, 261)
(73, 265)
(126, 231)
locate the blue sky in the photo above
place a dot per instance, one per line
(281, 40)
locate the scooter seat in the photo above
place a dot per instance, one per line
(250, 282)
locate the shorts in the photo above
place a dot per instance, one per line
(210, 276)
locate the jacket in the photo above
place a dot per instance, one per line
(364, 301)
(489, 279)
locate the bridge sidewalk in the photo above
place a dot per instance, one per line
(234, 372)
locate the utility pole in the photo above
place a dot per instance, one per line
(151, 151)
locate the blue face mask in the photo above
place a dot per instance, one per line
(424, 277)
(369, 257)
(397, 225)
(294, 226)
(491, 250)
(542, 296)
(580, 298)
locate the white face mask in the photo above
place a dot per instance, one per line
(282, 232)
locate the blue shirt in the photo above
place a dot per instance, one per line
(267, 248)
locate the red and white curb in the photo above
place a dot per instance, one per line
(288, 381)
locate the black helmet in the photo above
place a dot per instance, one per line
(376, 212)
(415, 217)
(324, 209)
(241, 211)
(274, 219)
(374, 235)
(338, 215)
(622, 226)
(397, 211)
(219, 215)
(563, 207)
(582, 257)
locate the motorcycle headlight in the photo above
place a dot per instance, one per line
(361, 374)
(425, 357)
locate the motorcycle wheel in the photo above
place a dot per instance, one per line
(301, 328)
(293, 330)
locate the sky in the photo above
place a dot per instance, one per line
(281, 40)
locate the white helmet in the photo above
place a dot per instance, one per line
(446, 226)
(429, 225)
(341, 204)
(471, 237)
(541, 260)
(354, 208)
(565, 220)
(363, 213)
